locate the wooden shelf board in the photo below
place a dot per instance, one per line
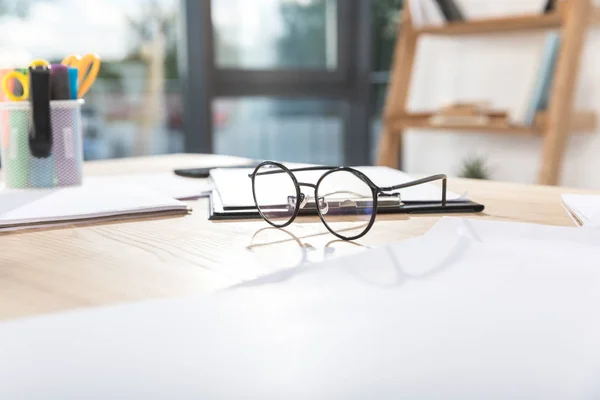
(581, 121)
(488, 128)
(503, 24)
(491, 25)
(585, 121)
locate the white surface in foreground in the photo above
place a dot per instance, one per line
(471, 310)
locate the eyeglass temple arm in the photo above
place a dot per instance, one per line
(421, 181)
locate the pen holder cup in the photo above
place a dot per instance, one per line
(63, 167)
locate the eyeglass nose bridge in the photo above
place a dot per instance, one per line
(303, 201)
(322, 203)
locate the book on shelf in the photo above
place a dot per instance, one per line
(541, 90)
(426, 13)
(416, 13)
(550, 6)
(450, 10)
(434, 12)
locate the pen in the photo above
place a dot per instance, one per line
(59, 82)
(73, 79)
(63, 118)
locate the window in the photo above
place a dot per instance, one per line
(269, 34)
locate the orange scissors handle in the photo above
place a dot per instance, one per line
(71, 61)
(88, 67)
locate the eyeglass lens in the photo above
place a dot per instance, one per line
(275, 194)
(346, 203)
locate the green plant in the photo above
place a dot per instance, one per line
(475, 168)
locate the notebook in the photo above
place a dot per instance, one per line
(97, 200)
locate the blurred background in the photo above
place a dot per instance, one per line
(292, 80)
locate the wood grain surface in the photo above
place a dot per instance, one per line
(82, 266)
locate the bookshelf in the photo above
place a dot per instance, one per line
(554, 125)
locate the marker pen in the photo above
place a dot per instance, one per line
(40, 138)
(73, 79)
(63, 118)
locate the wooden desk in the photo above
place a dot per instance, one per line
(62, 269)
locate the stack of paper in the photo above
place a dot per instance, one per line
(473, 309)
(95, 200)
(584, 208)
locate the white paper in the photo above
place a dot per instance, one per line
(440, 316)
(235, 186)
(585, 207)
(167, 183)
(496, 231)
(96, 198)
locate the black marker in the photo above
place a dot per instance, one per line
(60, 88)
(40, 132)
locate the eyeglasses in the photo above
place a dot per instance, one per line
(345, 199)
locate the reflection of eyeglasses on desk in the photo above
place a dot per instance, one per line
(281, 248)
(345, 199)
(386, 266)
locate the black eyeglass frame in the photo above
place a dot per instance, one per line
(376, 191)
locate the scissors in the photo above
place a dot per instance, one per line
(22, 79)
(87, 66)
